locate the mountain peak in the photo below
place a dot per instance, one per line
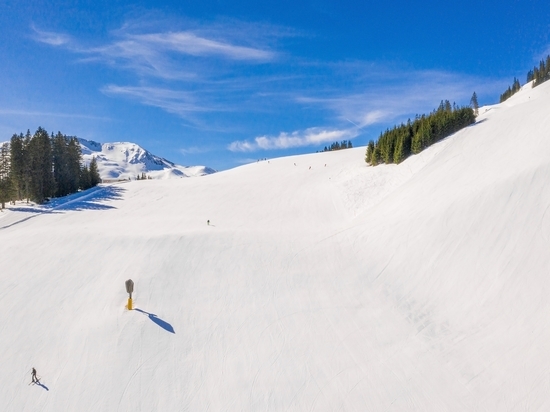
(126, 160)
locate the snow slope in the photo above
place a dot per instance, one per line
(422, 286)
(124, 160)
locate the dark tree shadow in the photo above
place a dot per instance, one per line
(90, 199)
(86, 200)
(163, 324)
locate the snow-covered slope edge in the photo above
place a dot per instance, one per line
(125, 160)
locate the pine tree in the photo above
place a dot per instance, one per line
(19, 167)
(85, 181)
(474, 104)
(95, 179)
(42, 183)
(370, 149)
(61, 170)
(74, 157)
(375, 158)
(6, 184)
(399, 154)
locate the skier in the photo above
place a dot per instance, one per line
(208, 222)
(33, 375)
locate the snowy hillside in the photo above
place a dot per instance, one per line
(125, 160)
(320, 284)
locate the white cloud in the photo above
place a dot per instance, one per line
(196, 70)
(178, 102)
(308, 137)
(51, 38)
(372, 117)
(187, 42)
(38, 114)
(376, 101)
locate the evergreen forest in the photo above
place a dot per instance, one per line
(396, 144)
(41, 166)
(510, 91)
(344, 144)
(541, 73)
(538, 75)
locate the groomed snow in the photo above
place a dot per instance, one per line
(415, 287)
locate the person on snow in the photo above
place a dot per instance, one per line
(33, 375)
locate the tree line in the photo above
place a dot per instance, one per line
(344, 144)
(541, 73)
(396, 144)
(40, 166)
(510, 91)
(538, 75)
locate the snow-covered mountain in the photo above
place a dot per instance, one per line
(320, 284)
(124, 160)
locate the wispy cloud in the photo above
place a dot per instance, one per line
(171, 55)
(376, 101)
(51, 38)
(30, 113)
(309, 137)
(164, 53)
(177, 102)
(240, 71)
(187, 42)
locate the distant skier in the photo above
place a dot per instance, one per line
(208, 222)
(33, 375)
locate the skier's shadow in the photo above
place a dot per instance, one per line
(163, 324)
(42, 385)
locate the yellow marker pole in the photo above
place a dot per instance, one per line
(129, 288)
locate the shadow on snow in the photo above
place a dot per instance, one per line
(41, 385)
(163, 324)
(86, 200)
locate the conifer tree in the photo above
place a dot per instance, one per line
(95, 179)
(474, 104)
(85, 181)
(370, 149)
(42, 183)
(74, 154)
(19, 165)
(60, 164)
(399, 153)
(6, 184)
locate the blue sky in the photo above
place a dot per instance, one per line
(222, 83)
